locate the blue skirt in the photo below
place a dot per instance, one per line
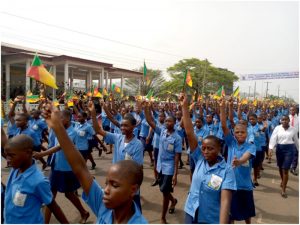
(242, 205)
(285, 155)
(63, 181)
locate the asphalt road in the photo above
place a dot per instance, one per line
(271, 208)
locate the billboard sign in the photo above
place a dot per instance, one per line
(267, 76)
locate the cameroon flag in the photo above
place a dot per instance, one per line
(38, 72)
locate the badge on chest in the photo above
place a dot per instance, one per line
(19, 199)
(81, 133)
(170, 147)
(215, 182)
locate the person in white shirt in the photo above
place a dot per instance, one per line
(285, 138)
(294, 122)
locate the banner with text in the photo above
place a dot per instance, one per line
(267, 76)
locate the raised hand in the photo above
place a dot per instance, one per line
(51, 115)
(91, 106)
(235, 162)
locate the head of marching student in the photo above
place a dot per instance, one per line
(240, 132)
(123, 180)
(18, 152)
(21, 120)
(211, 148)
(65, 117)
(128, 124)
(82, 116)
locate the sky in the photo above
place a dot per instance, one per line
(244, 37)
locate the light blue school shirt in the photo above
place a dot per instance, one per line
(11, 128)
(144, 129)
(37, 126)
(29, 132)
(84, 132)
(250, 135)
(168, 147)
(256, 132)
(212, 129)
(201, 134)
(105, 120)
(118, 118)
(134, 149)
(104, 215)
(202, 194)
(61, 163)
(263, 137)
(51, 139)
(242, 172)
(155, 141)
(24, 196)
(220, 133)
(179, 129)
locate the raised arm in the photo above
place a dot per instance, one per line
(109, 115)
(188, 125)
(73, 156)
(149, 117)
(223, 117)
(98, 129)
(230, 113)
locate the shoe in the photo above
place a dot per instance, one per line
(284, 195)
(109, 152)
(154, 183)
(93, 166)
(100, 152)
(84, 218)
(293, 171)
(172, 207)
(256, 183)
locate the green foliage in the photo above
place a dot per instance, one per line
(156, 82)
(206, 78)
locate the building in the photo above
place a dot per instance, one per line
(69, 71)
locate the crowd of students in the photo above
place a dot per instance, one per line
(224, 140)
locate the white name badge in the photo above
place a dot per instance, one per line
(19, 199)
(81, 133)
(200, 138)
(35, 127)
(215, 182)
(170, 147)
(128, 157)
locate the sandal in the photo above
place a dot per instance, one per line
(284, 195)
(172, 207)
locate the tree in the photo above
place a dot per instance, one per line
(206, 78)
(156, 81)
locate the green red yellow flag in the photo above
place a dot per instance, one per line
(150, 94)
(38, 72)
(32, 98)
(220, 93)
(188, 79)
(236, 92)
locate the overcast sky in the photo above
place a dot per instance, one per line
(244, 37)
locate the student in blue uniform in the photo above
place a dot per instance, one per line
(180, 131)
(37, 124)
(210, 126)
(239, 157)
(84, 132)
(126, 145)
(160, 122)
(114, 203)
(62, 179)
(147, 140)
(170, 147)
(21, 121)
(27, 188)
(213, 181)
(254, 128)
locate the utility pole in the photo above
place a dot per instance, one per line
(254, 89)
(267, 88)
(249, 92)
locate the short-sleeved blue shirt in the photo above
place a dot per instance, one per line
(156, 136)
(11, 128)
(24, 195)
(207, 184)
(201, 134)
(105, 215)
(169, 145)
(256, 132)
(144, 128)
(242, 172)
(212, 129)
(38, 126)
(134, 150)
(61, 163)
(29, 132)
(84, 132)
